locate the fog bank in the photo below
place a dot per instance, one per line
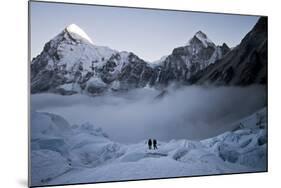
(192, 112)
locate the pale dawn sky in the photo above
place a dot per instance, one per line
(150, 34)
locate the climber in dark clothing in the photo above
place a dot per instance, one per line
(154, 144)
(149, 144)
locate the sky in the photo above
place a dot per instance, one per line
(148, 33)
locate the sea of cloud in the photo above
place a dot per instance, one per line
(192, 112)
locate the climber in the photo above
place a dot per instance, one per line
(154, 144)
(149, 143)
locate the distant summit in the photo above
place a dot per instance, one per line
(76, 32)
(200, 38)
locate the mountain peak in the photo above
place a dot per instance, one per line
(200, 34)
(76, 32)
(203, 38)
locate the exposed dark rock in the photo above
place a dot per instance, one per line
(244, 65)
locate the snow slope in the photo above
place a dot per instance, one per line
(74, 48)
(64, 154)
(76, 31)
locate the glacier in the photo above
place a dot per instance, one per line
(67, 154)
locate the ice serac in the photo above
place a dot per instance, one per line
(58, 148)
(84, 153)
(244, 65)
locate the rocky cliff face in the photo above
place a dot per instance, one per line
(244, 65)
(185, 61)
(126, 71)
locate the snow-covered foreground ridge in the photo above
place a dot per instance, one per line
(65, 154)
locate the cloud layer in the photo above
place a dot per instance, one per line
(192, 112)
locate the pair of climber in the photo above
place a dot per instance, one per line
(152, 142)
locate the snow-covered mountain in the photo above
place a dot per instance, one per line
(244, 65)
(187, 60)
(67, 62)
(65, 154)
(71, 63)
